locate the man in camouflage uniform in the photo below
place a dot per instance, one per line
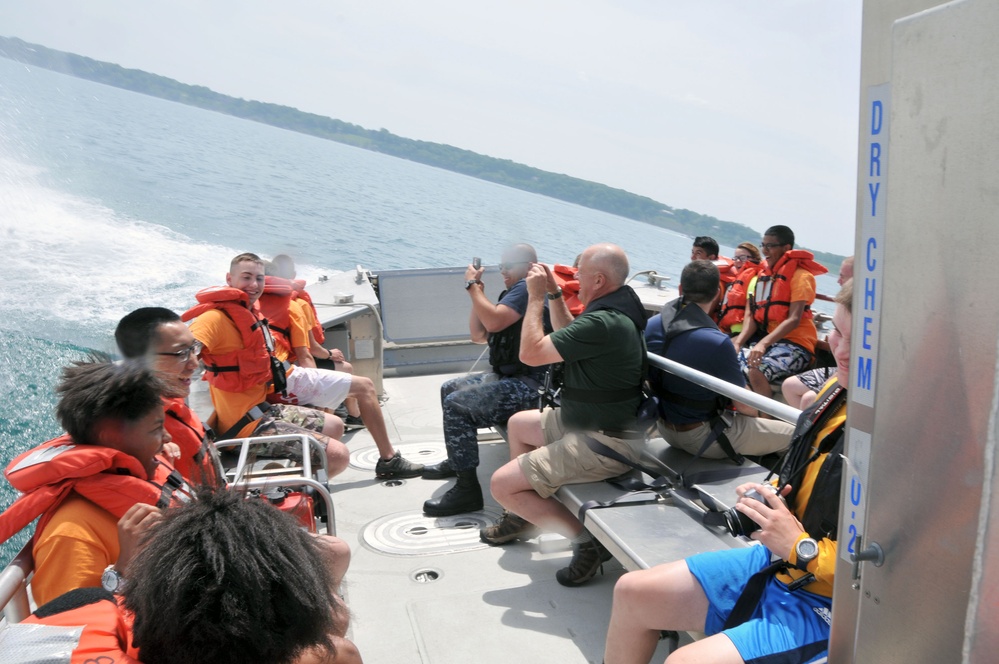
(487, 399)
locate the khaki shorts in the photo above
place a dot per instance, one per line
(567, 459)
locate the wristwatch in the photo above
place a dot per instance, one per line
(556, 295)
(111, 580)
(806, 550)
(471, 282)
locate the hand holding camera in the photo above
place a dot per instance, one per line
(765, 518)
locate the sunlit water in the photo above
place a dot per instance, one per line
(111, 200)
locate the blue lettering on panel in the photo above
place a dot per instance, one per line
(866, 339)
(864, 373)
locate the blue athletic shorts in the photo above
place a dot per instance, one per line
(786, 627)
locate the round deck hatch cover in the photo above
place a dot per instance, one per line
(415, 534)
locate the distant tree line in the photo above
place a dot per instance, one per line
(502, 171)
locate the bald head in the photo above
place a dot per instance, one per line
(610, 260)
(603, 268)
(520, 252)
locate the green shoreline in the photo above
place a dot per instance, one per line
(501, 171)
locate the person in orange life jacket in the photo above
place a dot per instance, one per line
(800, 390)
(322, 388)
(705, 248)
(223, 339)
(780, 309)
(791, 618)
(157, 336)
(283, 266)
(221, 579)
(114, 407)
(734, 295)
(603, 350)
(691, 416)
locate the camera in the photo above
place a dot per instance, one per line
(476, 262)
(738, 523)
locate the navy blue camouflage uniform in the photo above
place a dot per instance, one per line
(487, 399)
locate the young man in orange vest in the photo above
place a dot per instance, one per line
(779, 308)
(242, 370)
(82, 483)
(283, 267)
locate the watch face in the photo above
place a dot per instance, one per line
(807, 549)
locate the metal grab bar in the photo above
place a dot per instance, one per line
(770, 406)
(14, 586)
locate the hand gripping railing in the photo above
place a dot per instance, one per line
(764, 404)
(14, 586)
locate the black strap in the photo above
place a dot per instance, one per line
(251, 415)
(173, 482)
(751, 594)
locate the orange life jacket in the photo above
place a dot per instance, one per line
(772, 300)
(732, 307)
(106, 634)
(109, 478)
(567, 279)
(726, 270)
(274, 306)
(198, 462)
(243, 369)
(317, 329)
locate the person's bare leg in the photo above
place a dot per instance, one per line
(332, 426)
(758, 382)
(511, 489)
(793, 390)
(808, 399)
(371, 412)
(523, 430)
(350, 403)
(336, 553)
(647, 601)
(717, 649)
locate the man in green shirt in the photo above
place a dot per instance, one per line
(603, 351)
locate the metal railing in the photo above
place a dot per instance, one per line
(764, 404)
(14, 586)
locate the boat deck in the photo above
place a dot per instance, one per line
(426, 590)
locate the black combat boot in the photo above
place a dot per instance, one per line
(464, 496)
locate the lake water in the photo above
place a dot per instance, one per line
(111, 200)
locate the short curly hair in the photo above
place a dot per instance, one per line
(96, 390)
(229, 580)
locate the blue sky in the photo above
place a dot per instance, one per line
(742, 109)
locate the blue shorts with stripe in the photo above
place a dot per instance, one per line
(787, 627)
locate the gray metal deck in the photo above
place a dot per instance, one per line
(488, 604)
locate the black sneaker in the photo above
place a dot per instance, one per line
(439, 471)
(510, 527)
(587, 559)
(397, 467)
(350, 423)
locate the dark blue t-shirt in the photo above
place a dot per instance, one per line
(707, 350)
(516, 297)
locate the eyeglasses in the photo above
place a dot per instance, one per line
(184, 354)
(510, 266)
(771, 245)
(740, 259)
